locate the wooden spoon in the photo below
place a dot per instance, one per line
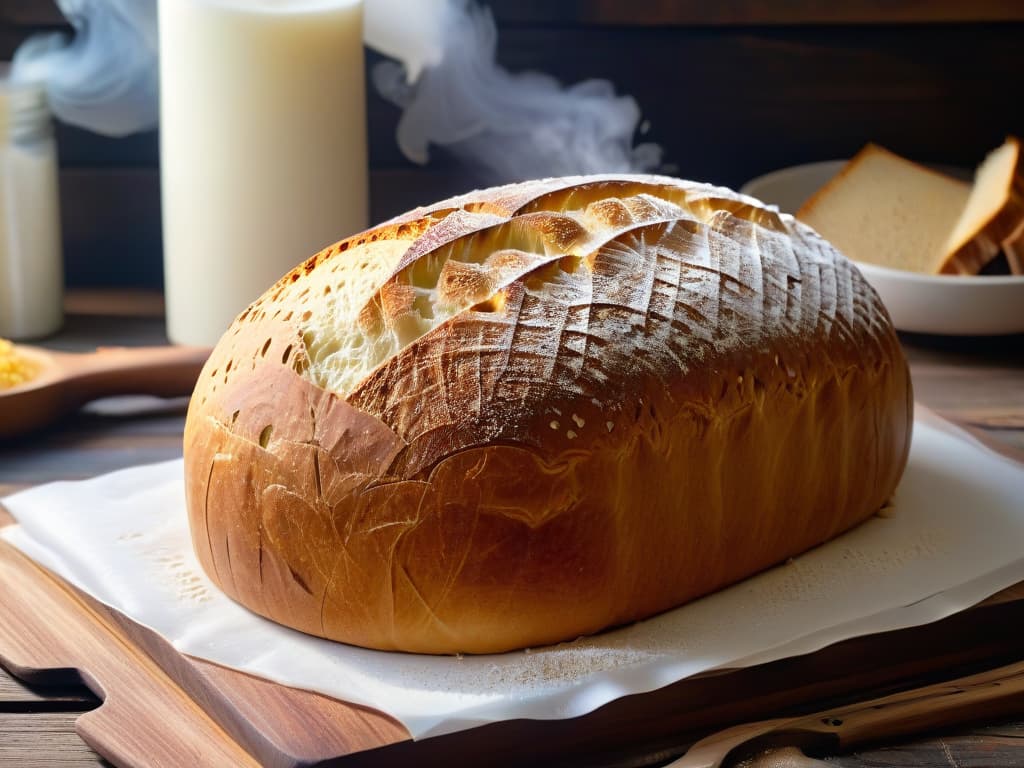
(984, 696)
(65, 381)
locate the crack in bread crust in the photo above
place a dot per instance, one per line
(457, 265)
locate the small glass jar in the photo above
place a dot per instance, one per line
(31, 263)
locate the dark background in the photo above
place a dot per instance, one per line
(731, 89)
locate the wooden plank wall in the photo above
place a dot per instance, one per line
(730, 89)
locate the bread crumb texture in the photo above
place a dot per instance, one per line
(14, 369)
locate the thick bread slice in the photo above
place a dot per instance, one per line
(534, 412)
(883, 209)
(994, 211)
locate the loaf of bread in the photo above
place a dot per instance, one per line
(537, 411)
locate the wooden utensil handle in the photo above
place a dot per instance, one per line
(163, 371)
(995, 693)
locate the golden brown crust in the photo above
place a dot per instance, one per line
(700, 389)
(1000, 233)
(1013, 247)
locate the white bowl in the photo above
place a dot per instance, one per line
(955, 305)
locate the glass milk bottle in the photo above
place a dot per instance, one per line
(31, 265)
(262, 148)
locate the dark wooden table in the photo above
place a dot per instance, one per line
(980, 381)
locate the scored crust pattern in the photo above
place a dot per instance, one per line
(563, 296)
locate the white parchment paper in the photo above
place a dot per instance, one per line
(954, 536)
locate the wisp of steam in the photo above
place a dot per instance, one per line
(104, 77)
(445, 77)
(509, 126)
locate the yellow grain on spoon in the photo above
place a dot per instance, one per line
(14, 369)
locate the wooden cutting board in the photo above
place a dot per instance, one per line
(161, 708)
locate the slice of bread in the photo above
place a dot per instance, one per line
(993, 213)
(886, 210)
